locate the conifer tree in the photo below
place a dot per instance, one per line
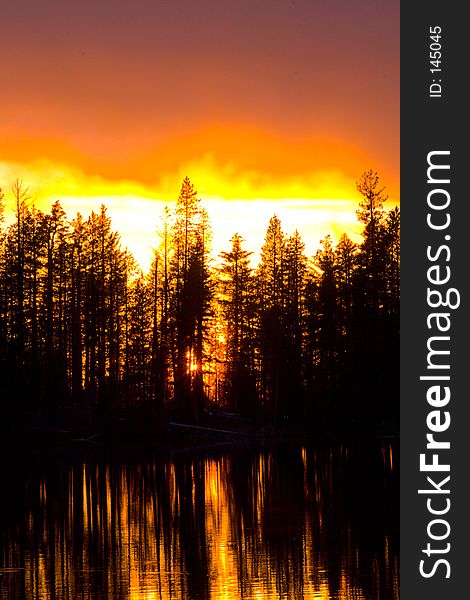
(237, 311)
(272, 326)
(190, 297)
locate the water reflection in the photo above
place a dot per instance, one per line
(298, 523)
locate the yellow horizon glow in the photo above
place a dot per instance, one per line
(316, 203)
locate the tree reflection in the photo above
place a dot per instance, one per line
(285, 522)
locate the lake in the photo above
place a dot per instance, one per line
(238, 522)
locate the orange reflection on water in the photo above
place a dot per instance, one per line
(241, 525)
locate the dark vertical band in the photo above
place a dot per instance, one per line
(434, 118)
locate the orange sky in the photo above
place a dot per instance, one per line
(268, 106)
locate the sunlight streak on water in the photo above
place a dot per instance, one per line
(247, 524)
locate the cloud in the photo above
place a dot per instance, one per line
(239, 196)
(226, 159)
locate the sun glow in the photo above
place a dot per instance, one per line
(240, 194)
(193, 365)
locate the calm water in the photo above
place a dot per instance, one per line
(298, 523)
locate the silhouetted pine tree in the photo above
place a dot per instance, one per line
(372, 348)
(140, 331)
(295, 266)
(272, 334)
(236, 289)
(190, 294)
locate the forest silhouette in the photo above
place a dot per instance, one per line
(293, 344)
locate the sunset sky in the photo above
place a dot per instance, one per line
(267, 105)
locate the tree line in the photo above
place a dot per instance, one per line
(294, 341)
